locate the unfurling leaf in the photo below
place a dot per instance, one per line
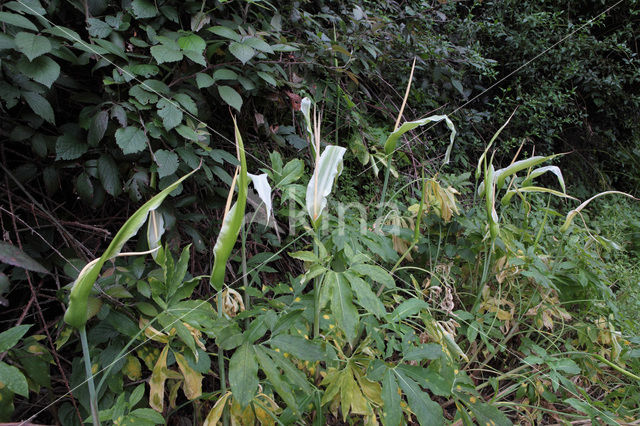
(327, 170)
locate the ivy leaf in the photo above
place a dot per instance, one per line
(167, 162)
(17, 21)
(243, 374)
(14, 380)
(42, 69)
(225, 32)
(143, 9)
(32, 45)
(192, 42)
(98, 28)
(230, 96)
(97, 128)
(187, 133)
(131, 139)
(225, 74)
(196, 57)
(40, 106)
(84, 187)
(204, 80)
(9, 94)
(243, 52)
(68, 147)
(108, 175)
(171, 115)
(258, 44)
(166, 52)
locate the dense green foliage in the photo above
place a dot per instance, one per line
(462, 298)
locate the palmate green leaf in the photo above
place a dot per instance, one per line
(485, 414)
(392, 140)
(232, 220)
(76, 314)
(11, 337)
(13, 379)
(42, 69)
(299, 347)
(327, 170)
(424, 351)
(342, 307)
(230, 96)
(375, 272)
(243, 374)
(391, 411)
(131, 139)
(366, 297)
(407, 308)
(273, 375)
(32, 45)
(427, 412)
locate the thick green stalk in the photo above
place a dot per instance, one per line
(221, 368)
(245, 280)
(93, 397)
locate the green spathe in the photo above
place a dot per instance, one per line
(76, 314)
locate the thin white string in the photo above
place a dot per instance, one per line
(505, 77)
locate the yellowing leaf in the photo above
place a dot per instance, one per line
(132, 368)
(216, 412)
(156, 384)
(192, 379)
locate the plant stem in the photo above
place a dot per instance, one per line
(93, 398)
(245, 280)
(221, 370)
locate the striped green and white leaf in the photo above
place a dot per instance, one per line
(327, 170)
(262, 187)
(76, 314)
(392, 140)
(507, 197)
(578, 209)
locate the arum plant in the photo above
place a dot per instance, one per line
(76, 314)
(399, 130)
(231, 224)
(328, 166)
